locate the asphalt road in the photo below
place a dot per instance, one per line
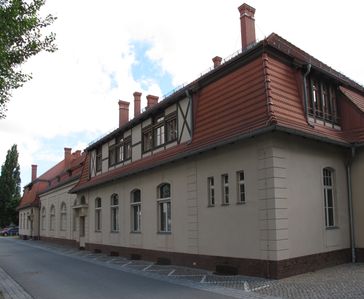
(48, 275)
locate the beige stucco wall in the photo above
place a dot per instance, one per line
(29, 222)
(56, 197)
(358, 196)
(283, 216)
(302, 221)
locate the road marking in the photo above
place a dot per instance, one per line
(126, 264)
(170, 273)
(147, 267)
(203, 279)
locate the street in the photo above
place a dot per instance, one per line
(47, 275)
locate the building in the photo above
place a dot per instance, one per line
(253, 168)
(47, 195)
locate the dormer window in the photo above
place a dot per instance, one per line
(322, 101)
(159, 131)
(120, 151)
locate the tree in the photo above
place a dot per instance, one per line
(9, 188)
(20, 39)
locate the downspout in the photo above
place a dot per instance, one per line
(305, 100)
(350, 204)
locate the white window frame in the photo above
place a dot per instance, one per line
(164, 210)
(329, 190)
(98, 214)
(135, 211)
(211, 191)
(225, 190)
(114, 209)
(240, 183)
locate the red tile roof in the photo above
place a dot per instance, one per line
(54, 177)
(255, 92)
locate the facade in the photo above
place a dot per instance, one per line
(46, 204)
(253, 168)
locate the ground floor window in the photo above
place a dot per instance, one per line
(329, 199)
(164, 208)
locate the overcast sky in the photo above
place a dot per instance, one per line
(109, 49)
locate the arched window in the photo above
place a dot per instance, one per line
(98, 209)
(329, 196)
(136, 210)
(52, 218)
(74, 213)
(43, 218)
(63, 216)
(114, 212)
(164, 207)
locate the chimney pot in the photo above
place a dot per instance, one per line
(247, 24)
(151, 100)
(34, 172)
(123, 112)
(217, 61)
(137, 102)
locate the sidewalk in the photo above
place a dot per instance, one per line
(9, 289)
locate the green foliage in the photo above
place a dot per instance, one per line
(20, 38)
(9, 188)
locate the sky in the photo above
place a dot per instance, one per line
(109, 49)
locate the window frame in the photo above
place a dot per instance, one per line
(98, 214)
(63, 217)
(164, 209)
(114, 213)
(225, 189)
(239, 184)
(135, 211)
(52, 218)
(98, 159)
(211, 191)
(328, 180)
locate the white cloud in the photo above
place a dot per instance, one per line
(71, 91)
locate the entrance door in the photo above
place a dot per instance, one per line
(82, 231)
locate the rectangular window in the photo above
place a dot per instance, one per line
(98, 214)
(147, 140)
(98, 159)
(114, 213)
(159, 136)
(136, 217)
(171, 128)
(329, 203)
(127, 148)
(112, 155)
(225, 189)
(211, 191)
(241, 186)
(119, 151)
(165, 216)
(322, 100)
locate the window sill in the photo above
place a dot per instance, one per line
(225, 204)
(97, 231)
(164, 233)
(114, 231)
(332, 227)
(241, 203)
(210, 206)
(138, 232)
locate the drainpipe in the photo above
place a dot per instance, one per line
(305, 100)
(350, 204)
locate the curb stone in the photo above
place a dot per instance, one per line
(10, 289)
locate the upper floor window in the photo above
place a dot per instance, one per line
(211, 191)
(225, 189)
(322, 103)
(162, 131)
(240, 180)
(98, 159)
(329, 198)
(127, 148)
(98, 209)
(164, 207)
(63, 216)
(136, 210)
(120, 151)
(114, 213)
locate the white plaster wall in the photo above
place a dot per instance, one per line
(56, 197)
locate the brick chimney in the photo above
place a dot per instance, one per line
(151, 100)
(217, 61)
(67, 157)
(34, 172)
(137, 101)
(247, 24)
(123, 112)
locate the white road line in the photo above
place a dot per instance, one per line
(147, 267)
(170, 273)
